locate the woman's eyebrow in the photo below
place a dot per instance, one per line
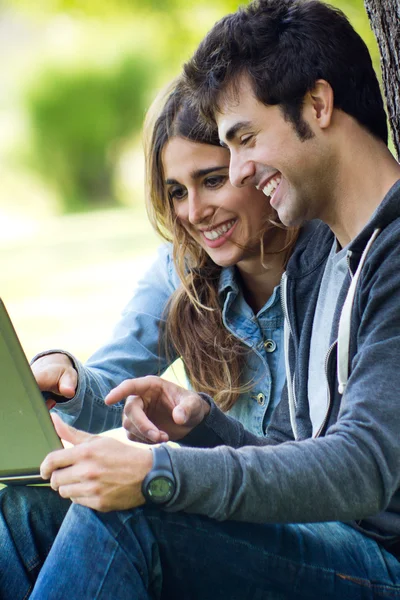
(198, 173)
(201, 172)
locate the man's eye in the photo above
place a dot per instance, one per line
(215, 181)
(177, 193)
(245, 139)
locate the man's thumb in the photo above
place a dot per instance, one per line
(68, 433)
(179, 415)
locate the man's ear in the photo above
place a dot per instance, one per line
(321, 103)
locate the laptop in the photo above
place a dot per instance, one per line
(27, 433)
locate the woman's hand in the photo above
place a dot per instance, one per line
(98, 472)
(55, 373)
(157, 410)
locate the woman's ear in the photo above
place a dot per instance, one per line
(321, 103)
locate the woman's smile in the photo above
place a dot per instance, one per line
(218, 235)
(226, 221)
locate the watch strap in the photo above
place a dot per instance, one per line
(161, 459)
(161, 469)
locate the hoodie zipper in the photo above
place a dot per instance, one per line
(328, 396)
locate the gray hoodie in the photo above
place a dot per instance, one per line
(351, 471)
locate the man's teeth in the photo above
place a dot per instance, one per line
(271, 186)
(214, 234)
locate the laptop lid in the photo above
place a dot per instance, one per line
(27, 433)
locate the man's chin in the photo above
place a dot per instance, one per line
(290, 220)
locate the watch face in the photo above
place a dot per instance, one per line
(161, 489)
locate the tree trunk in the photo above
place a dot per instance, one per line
(384, 17)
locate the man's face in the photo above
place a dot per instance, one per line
(266, 152)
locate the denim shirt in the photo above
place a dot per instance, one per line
(135, 350)
(263, 336)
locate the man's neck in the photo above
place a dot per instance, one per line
(367, 170)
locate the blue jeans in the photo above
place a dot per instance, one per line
(30, 518)
(148, 553)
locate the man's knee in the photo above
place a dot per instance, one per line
(12, 502)
(31, 511)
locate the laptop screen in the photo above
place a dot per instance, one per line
(27, 433)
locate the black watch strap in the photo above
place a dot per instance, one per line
(161, 459)
(159, 485)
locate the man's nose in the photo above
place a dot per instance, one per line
(241, 172)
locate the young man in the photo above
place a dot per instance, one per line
(313, 510)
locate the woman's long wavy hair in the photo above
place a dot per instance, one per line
(213, 358)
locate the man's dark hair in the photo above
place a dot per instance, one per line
(284, 47)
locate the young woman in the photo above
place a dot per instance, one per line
(212, 297)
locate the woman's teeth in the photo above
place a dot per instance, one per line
(214, 234)
(271, 186)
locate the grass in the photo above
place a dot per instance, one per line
(65, 280)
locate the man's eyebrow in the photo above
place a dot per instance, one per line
(199, 173)
(233, 131)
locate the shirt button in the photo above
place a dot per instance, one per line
(261, 399)
(270, 345)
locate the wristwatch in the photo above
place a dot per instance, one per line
(159, 485)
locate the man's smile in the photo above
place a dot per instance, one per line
(270, 185)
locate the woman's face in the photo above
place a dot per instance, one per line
(216, 215)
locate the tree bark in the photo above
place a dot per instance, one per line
(384, 17)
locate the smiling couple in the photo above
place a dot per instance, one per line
(310, 507)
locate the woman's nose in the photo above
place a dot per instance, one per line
(199, 208)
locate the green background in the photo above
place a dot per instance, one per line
(77, 78)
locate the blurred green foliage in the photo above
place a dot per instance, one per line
(79, 120)
(105, 7)
(83, 112)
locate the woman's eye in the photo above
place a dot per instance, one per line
(215, 181)
(177, 193)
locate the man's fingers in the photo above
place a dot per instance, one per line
(179, 415)
(59, 459)
(132, 431)
(122, 391)
(68, 433)
(190, 410)
(138, 424)
(157, 410)
(63, 477)
(135, 387)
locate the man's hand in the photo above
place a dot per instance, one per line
(157, 410)
(97, 472)
(55, 373)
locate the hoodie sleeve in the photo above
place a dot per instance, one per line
(219, 429)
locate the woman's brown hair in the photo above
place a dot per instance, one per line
(213, 358)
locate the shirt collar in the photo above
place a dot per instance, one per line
(228, 281)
